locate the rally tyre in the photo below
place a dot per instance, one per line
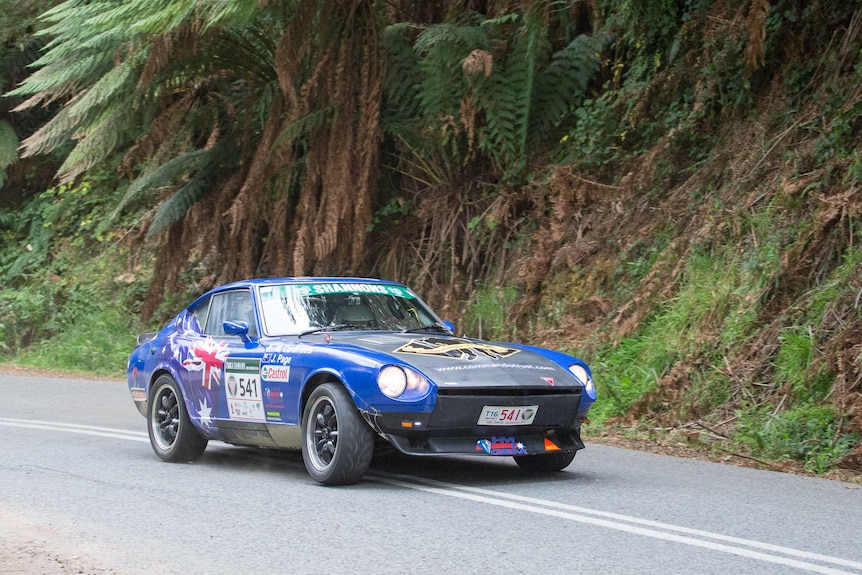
(542, 462)
(337, 443)
(172, 434)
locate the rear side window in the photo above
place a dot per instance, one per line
(198, 317)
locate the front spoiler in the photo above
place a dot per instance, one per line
(495, 441)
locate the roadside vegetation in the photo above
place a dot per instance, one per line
(670, 190)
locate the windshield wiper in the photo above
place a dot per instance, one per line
(333, 327)
(431, 326)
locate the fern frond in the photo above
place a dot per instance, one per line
(168, 18)
(403, 74)
(57, 131)
(96, 142)
(175, 208)
(120, 80)
(302, 127)
(8, 145)
(233, 13)
(57, 78)
(164, 175)
(443, 48)
(563, 85)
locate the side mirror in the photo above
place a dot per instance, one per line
(449, 325)
(239, 328)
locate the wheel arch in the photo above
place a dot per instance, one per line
(315, 381)
(164, 370)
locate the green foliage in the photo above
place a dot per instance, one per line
(8, 148)
(69, 300)
(716, 297)
(493, 83)
(98, 342)
(108, 62)
(793, 364)
(487, 312)
(809, 433)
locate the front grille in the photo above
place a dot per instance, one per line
(462, 410)
(506, 391)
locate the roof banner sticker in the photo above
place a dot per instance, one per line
(304, 290)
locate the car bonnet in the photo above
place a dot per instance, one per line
(450, 360)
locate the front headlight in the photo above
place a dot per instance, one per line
(580, 372)
(394, 381)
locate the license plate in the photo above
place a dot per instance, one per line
(508, 415)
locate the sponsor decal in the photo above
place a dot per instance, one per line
(549, 380)
(207, 356)
(276, 349)
(501, 446)
(275, 373)
(273, 397)
(273, 414)
(243, 390)
(474, 366)
(277, 357)
(139, 393)
(456, 348)
(304, 290)
(551, 446)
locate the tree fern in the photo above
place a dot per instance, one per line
(111, 124)
(563, 85)
(8, 148)
(403, 76)
(163, 175)
(178, 204)
(443, 48)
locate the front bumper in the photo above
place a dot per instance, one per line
(452, 427)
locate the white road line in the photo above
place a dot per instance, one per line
(608, 520)
(75, 428)
(637, 521)
(623, 523)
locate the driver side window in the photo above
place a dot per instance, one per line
(231, 306)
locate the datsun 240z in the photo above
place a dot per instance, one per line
(334, 366)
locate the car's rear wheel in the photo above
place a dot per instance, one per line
(172, 434)
(337, 443)
(545, 461)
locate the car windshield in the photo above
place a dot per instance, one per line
(293, 309)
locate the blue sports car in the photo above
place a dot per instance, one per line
(336, 366)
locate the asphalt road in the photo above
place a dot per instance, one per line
(82, 492)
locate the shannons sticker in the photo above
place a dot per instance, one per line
(304, 290)
(456, 348)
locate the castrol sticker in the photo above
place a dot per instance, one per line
(275, 373)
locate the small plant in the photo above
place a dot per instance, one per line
(810, 434)
(486, 315)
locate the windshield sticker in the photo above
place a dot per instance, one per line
(460, 349)
(304, 290)
(244, 398)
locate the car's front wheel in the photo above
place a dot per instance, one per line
(172, 434)
(337, 443)
(545, 461)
